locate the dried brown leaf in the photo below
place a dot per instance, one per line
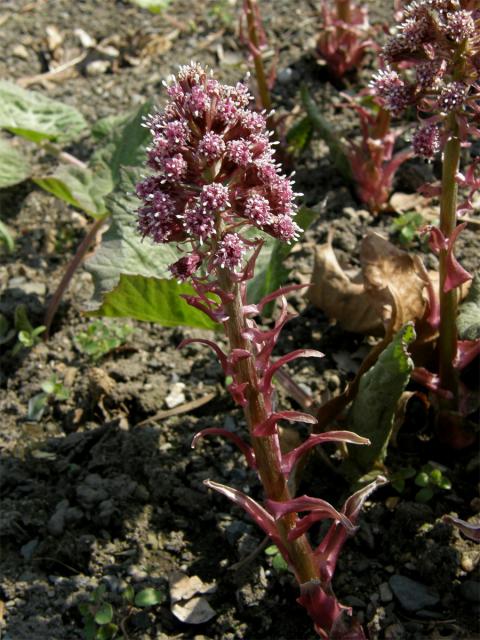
(393, 280)
(340, 296)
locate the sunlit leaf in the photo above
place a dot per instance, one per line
(149, 597)
(14, 167)
(80, 187)
(125, 144)
(104, 614)
(34, 116)
(131, 275)
(152, 300)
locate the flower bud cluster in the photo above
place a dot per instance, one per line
(214, 174)
(433, 63)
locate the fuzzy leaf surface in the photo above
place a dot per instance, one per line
(124, 141)
(35, 117)
(14, 167)
(81, 188)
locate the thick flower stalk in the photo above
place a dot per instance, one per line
(344, 38)
(433, 64)
(215, 187)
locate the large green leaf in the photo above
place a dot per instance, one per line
(36, 117)
(124, 145)
(328, 135)
(152, 300)
(270, 271)
(14, 167)
(80, 187)
(468, 321)
(131, 275)
(373, 410)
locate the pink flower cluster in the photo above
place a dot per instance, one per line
(433, 63)
(214, 175)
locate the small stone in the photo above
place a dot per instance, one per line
(353, 601)
(56, 524)
(470, 591)
(285, 76)
(469, 560)
(98, 68)
(28, 549)
(412, 595)
(386, 594)
(176, 395)
(20, 51)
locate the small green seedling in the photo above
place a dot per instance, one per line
(278, 563)
(406, 226)
(27, 335)
(97, 616)
(102, 622)
(399, 478)
(100, 338)
(430, 479)
(52, 389)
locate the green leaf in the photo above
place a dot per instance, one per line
(86, 188)
(37, 406)
(36, 117)
(104, 614)
(152, 300)
(468, 321)
(90, 629)
(14, 167)
(80, 187)
(328, 135)
(300, 134)
(154, 6)
(125, 145)
(422, 479)
(149, 597)
(129, 593)
(424, 495)
(373, 410)
(131, 275)
(6, 237)
(279, 563)
(445, 484)
(270, 272)
(84, 609)
(398, 484)
(271, 550)
(107, 632)
(22, 323)
(105, 127)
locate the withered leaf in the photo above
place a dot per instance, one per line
(388, 290)
(340, 296)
